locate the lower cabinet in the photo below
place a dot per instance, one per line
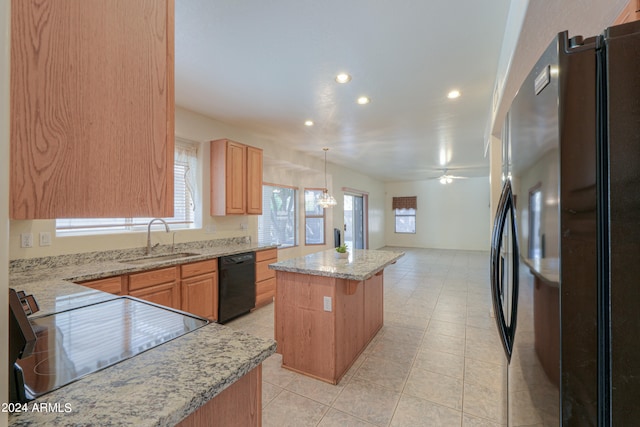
(160, 286)
(189, 287)
(200, 288)
(265, 278)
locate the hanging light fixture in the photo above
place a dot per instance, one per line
(326, 200)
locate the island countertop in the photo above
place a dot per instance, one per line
(361, 264)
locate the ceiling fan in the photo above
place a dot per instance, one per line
(445, 178)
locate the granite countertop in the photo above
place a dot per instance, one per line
(547, 269)
(59, 272)
(158, 387)
(361, 264)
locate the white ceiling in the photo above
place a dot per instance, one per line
(268, 66)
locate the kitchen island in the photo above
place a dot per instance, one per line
(327, 309)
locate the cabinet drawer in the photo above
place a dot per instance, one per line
(198, 268)
(265, 291)
(112, 285)
(154, 277)
(263, 272)
(271, 254)
(266, 287)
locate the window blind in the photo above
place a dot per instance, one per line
(410, 202)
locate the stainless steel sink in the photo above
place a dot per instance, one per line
(158, 258)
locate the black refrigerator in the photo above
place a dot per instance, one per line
(565, 248)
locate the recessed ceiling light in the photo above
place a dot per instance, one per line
(363, 100)
(308, 123)
(343, 78)
(453, 94)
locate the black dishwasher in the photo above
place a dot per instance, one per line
(236, 285)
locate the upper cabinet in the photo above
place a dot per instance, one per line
(236, 178)
(92, 108)
(630, 13)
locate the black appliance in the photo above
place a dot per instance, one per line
(565, 251)
(236, 285)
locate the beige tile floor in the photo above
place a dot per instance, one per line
(436, 362)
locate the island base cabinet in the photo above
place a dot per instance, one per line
(240, 405)
(321, 341)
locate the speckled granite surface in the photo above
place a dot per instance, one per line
(55, 271)
(361, 264)
(159, 387)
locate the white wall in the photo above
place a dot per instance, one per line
(282, 166)
(452, 216)
(4, 196)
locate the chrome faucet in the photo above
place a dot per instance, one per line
(166, 226)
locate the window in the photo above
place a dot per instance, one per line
(405, 212)
(313, 217)
(278, 223)
(185, 200)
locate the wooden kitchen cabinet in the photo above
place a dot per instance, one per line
(630, 13)
(200, 288)
(160, 286)
(236, 178)
(373, 305)
(92, 108)
(265, 278)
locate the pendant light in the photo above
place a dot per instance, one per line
(326, 200)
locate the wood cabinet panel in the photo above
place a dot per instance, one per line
(200, 295)
(349, 328)
(167, 294)
(153, 277)
(240, 405)
(254, 181)
(373, 305)
(267, 254)
(112, 285)
(92, 108)
(262, 270)
(265, 291)
(198, 268)
(630, 13)
(236, 178)
(324, 344)
(265, 278)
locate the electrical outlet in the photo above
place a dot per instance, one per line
(210, 229)
(327, 304)
(45, 238)
(244, 226)
(26, 240)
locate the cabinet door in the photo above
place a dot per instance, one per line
(167, 294)
(254, 181)
(200, 296)
(92, 109)
(236, 178)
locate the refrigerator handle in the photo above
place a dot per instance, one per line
(506, 209)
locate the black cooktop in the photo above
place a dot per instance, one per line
(78, 342)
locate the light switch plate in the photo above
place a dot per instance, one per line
(45, 238)
(327, 304)
(26, 240)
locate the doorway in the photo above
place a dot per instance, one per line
(355, 221)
